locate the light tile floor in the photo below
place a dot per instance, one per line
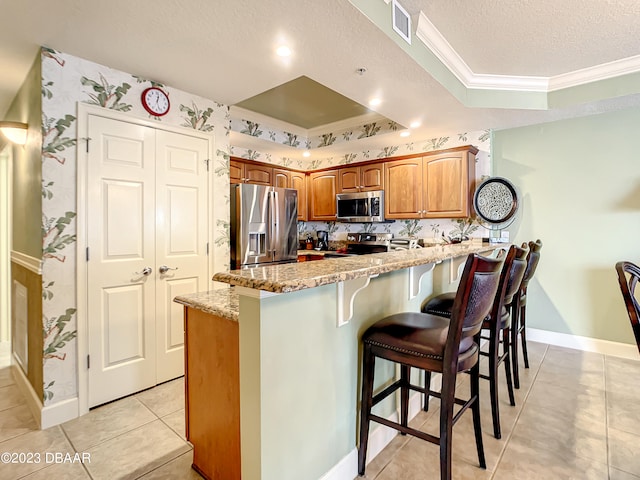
(577, 417)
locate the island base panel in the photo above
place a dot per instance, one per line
(212, 383)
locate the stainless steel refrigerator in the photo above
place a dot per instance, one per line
(264, 225)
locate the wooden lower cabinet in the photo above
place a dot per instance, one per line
(212, 394)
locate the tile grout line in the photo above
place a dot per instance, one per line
(64, 432)
(606, 413)
(515, 423)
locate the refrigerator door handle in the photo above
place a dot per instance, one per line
(275, 220)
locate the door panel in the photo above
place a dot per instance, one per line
(181, 240)
(123, 315)
(121, 239)
(122, 197)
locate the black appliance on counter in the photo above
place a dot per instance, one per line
(323, 240)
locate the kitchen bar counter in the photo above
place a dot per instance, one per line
(221, 303)
(272, 364)
(292, 277)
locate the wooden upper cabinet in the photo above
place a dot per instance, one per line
(448, 181)
(403, 189)
(299, 182)
(323, 187)
(361, 179)
(281, 178)
(258, 174)
(236, 171)
(240, 172)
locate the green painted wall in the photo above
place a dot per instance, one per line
(579, 182)
(27, 166)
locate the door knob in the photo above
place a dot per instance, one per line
(145, 271)
(164, 269)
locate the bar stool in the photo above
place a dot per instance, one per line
(435, 344)
(498, 326)
(518, 311)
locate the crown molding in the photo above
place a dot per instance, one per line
(604, 71)
(431, 37)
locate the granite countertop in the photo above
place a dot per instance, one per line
(222, 302)
(291, 277)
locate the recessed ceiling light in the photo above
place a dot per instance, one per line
(415, 124)
(374, 102)
(283, 51)
(306, 153)
(406, 133)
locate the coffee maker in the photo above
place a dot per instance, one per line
(323, 240)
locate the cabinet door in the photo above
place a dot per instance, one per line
(349, 180)
(281, 178)
(322, 192)
(371, 177)
(258, 174)
(236, 171)
(299, 182)
(447, 185)
(403, 192)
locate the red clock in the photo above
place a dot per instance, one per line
(155, 101)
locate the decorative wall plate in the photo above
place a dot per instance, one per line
(496, 202)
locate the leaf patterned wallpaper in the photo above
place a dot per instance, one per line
(428, 229)
(67, 80)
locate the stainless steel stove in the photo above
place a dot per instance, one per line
(364, 243)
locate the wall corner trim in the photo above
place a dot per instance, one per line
(30, 263)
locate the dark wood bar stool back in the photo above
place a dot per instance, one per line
(434, 344)
(519, 311)
(628, 288)
(497, 324)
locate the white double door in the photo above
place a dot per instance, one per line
(147, 228)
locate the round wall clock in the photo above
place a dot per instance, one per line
(155, 101)
(496, 202)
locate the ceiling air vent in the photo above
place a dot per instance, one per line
(401, 22)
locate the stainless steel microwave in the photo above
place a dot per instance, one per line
(360, 207)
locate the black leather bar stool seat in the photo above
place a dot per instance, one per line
(420, 335)
(434, 344)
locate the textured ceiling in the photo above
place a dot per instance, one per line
(224, 50)
(538, 38)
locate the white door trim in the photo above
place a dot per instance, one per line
(84, 111)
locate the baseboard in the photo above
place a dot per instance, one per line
(50, 415)
(587, 344)
(30, 395)
(59, 413)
